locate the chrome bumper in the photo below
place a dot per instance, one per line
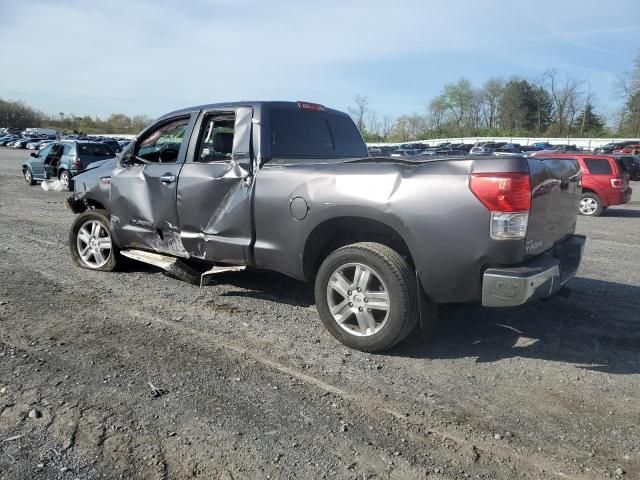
(539, 278)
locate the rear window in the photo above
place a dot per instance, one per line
(303, 134)
(95, 149)
(598, 166)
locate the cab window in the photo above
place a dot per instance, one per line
(216, 138)
(163, 144)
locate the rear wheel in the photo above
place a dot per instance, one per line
(590, 205)
(65, 178)
(90, 242)
(366, 294)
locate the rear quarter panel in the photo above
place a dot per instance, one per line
(429, 205)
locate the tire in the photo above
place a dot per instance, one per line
(28, 176)
(66, 179)
(93, 240)
(388, 272)
(590, 205)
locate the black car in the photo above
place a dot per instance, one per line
(631, 164)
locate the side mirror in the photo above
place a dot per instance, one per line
(33, 154)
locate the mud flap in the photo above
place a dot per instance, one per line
(429, 317)
(172, 265)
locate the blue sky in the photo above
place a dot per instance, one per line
(150, 57)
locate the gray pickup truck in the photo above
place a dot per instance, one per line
(289, 187)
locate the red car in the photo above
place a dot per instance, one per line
(629, 149)
(605, 181)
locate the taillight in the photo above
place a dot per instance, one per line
(616, 182)
(508, 197)
(502, 192)
(77, 162)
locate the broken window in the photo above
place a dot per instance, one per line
(162, 145)
(216, 138)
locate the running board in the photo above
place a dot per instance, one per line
(172, 265)
(215, 270)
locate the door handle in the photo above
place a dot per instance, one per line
(167, 179)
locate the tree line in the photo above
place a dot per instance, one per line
(19, 115)
(555, 104)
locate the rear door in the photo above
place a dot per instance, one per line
(143, 188)
(555, 193)
(214, 187)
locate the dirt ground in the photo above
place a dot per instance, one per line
(256, 388)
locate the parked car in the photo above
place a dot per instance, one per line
(289, 187)
(605, 181)
(64, 160)
(404, 152)
(115, 145)
(374, 152)
(7, 139)
(633, 149)
(610, 147)
(631, 164)
(542, 145)
(24, 141)
(485, 148)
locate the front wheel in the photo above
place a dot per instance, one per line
(28, 177)
(367, 297)
(90, 242)
(590, 205)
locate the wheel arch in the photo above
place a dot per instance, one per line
(337, 232)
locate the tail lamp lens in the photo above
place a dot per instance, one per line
(616, 182)
(508, 197)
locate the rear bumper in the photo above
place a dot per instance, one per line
(539, 278)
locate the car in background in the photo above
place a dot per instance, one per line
(6, 139)
(633, 149)
(374, 151)
(503, 151)
(22, 142)
(485, 148)
(404, 152)
(64, 160)
(447, 152)
(115, 146)
(542, 145)
(631, 164)
(605, 180)
(610, 147)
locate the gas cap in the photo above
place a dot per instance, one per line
(298, 208)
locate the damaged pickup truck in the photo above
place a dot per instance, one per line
(289, 187)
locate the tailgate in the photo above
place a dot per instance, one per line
(555, 193)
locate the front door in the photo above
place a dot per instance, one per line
(214, 188)
(143, 188)
(52, 160)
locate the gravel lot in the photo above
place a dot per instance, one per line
(256, 388)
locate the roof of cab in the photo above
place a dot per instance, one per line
(260, 105)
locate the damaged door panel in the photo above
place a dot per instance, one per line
(143, 189)
(214, 188)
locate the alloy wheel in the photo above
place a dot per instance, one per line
(588, 206)
(358, 299)
(93, 242)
